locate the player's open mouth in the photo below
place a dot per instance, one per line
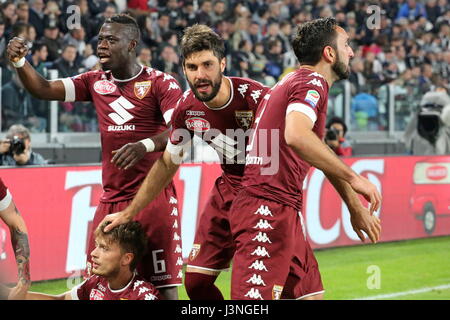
(203, 87)
(95, 265)
(103, 58)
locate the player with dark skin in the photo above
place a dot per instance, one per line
(117, 52)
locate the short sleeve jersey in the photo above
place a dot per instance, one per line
(97, 288)
(128, 111)
(273, 170)
(5, 196)
(223, 128)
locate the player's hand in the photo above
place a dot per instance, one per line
(115, 219)
(362, 220)
(17, 48)
(128, 155)
(19, 292)
(367, 189)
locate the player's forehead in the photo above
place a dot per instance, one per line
(111, 29)
(200, 57)
(342, 35)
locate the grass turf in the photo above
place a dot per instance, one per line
(403, 266)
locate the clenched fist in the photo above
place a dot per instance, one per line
(17, 48)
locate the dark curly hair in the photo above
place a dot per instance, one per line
(201, 37)
(130, 237)
(312, 37)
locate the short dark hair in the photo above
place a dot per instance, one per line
(312, 37)
(337, 120)
(37, 46)
(200, 37)
(129, 236)
(129, 22)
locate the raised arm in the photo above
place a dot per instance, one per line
(157, 179)
(38, 86)
(305, 143)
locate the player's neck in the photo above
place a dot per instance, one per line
(324, 70)
(121, 280)
(222, 96)
(127, 72)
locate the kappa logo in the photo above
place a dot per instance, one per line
(137, 284)
(194, 251)
(141, 88)
(255, 95)
(262, 237)
(180, 274)
(261, 252)
(143, 290)
(195, 113)
(167, 77)
(243, 89)
(256, 279)
(174, 212)
(258, 265)
(179, 261)
(150, 296)
(315, 82)
(104, 87)
(276, 292)
(175, 225)
(264, 211)
(178, 249)
(254, 294)
(173, 85)
(173, 200)
(315, 74)
(244, 118)
(263, 225)
(176, 237)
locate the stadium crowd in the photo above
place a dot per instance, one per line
(408, 47)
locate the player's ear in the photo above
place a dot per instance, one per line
(127, 258)
(329, 54)
(132, 46)
(223, 64)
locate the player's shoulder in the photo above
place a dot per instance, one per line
(143, 290)
(310, 78)
(92, 75)
(186, 101)
(158, 76)
(246, 84)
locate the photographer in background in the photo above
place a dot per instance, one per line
(15, 149)
(335, 137)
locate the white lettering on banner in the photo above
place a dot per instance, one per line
(316, 232)
(191, 176)
(120, 106)
(82, 213)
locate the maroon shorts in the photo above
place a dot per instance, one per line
(162, 265)
(273, 259)
(213, 246)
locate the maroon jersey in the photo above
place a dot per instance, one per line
(128, 111)
(222, 128)
(97, 288)
(5, 196)
(274, 171)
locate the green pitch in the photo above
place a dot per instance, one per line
(416, 269)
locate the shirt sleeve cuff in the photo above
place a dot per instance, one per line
(69, 88)
(303, 108)
(6, 201)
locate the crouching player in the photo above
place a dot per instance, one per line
(114, 258)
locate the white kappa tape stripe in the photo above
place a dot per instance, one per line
(405, 293)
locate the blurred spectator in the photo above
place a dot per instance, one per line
(2, 41)
(364, 111)
(144, 56)
(76, 38)
(357, 78)
(17, 106)
(241, 32)
(145, 25)
(52, 41)
(412, 9)
(16, 150)
(204, 14)
(23, 13)
(335, 137)
(161, 26)
(188, 13)
(36, 16)
(8, 9)
(169, 62)
(66, 64)
(219, 11)
(274, 67)
(254, 32)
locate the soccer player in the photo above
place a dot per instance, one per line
(273, 258)
(19, 236)
(114, 259)
(133, 103)
(219, 110)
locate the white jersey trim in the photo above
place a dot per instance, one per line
(168, 115)
(124, 288)
(310, 294)
(169, 285)
(6, 201)
(303, 108)
(229, 100)
(132, 78)
(69, 88)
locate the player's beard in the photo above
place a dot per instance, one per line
(340, 69)
(215, 88)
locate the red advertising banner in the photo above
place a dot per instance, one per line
(58, 204)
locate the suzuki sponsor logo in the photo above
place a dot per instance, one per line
(121, 115)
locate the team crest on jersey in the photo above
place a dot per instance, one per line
(198, 124)
(244, 118)
(276, 292)
(312, 96)
(104, 87)
(141, 88)
(194, 251)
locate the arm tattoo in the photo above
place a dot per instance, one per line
(21, 248)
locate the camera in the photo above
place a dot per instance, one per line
(332, 134)
(17, 146)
